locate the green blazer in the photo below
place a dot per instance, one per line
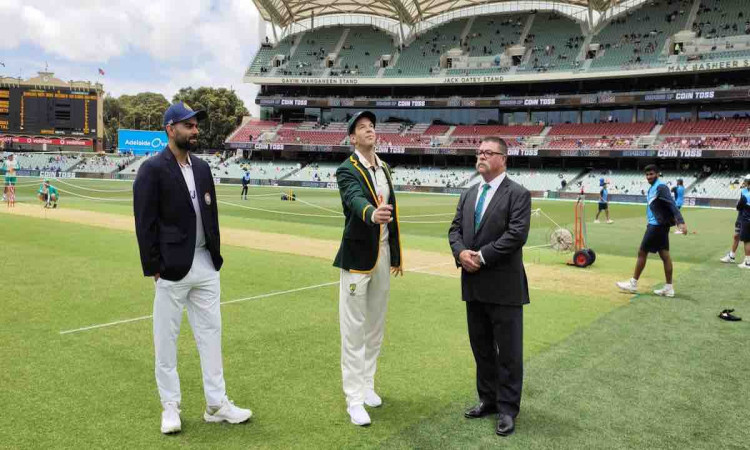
(360, 244)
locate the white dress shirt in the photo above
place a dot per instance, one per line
(377, 173)
(187, 173)
(494, 185)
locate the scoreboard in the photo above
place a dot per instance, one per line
(53, 111)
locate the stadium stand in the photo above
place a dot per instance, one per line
(627, 182)
(251, 130)
(717, 19)
(260, 170)
(706, 127)
(311, 53)
(719, 185)
(602, 129)
(132, 168)
(103, 164)
(710, 142)
(590, 143)
(46, 162)
(539, 179)
(554, 43)
(421, 57)
(262, 62)
(408, 175)
(637, 37)
(324, 172)
(492, 35)
(361, 52)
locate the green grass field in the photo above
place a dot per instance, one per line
(603, 370)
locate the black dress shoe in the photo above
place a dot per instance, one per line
(505, 425)
(480, 410)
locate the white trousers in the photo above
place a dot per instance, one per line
(199, 291)
(363, 302)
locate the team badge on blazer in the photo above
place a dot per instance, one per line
(207, 198)
(352, 288)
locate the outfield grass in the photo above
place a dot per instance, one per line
(602, 370)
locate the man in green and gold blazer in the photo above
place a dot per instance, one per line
(370, 248)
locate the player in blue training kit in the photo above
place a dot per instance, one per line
(662, 213)
(679, 198)
(731, 254)
(743, 206)
(603, 204)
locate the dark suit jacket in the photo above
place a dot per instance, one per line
(500, 237)
(360, 244)
(165, 218)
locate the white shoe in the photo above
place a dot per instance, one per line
(628, 286)
(665, 292)
(677, 232)
(610, 221)
(372, 399)
(744, 265)
(227, 412)
(170, 418)
(728, 259)
(597, 221)
(358, 415)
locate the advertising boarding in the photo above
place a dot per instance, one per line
(141, 142)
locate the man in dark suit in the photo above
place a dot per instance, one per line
(487, 236)
(177, 226)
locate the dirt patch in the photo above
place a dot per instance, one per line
(257, 240)
(541, 276)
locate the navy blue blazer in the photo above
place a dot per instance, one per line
(165, 218)
(501, 235)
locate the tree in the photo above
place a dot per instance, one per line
(225, 111)
(142, 111)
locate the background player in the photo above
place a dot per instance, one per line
(679, 198)
(603, 204)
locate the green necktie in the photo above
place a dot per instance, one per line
(480, 204)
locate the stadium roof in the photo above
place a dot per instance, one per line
(286, 12)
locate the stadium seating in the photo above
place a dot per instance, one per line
(602, 129)
(637, 37)
(591, 143)
(309, 57)
(262, 62)
(538, 179)
(627, 182)
(259, 170)
(432, 176)
(497, 130)
(103, 164)
(719, 185)
(435, 130)
(361, 51)
(555, 43)
(706, 127)
(710, 142)
(46, 162)
(422, 56)
(491, 35)
(251, 130)
(323, 172)
(132, 168)
(717, 19)
(295, 136)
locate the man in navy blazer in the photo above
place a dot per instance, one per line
(177, 226)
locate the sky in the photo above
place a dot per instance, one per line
(141, 45)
